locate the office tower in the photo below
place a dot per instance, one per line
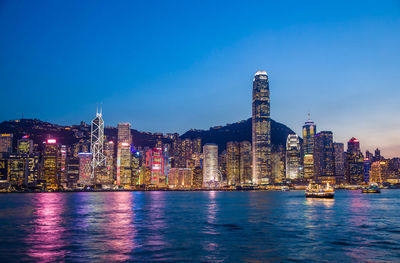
(245, 162)
(97, 149)
(157, 168)
(16, 173)
(339, 162)
(278, 164)
(367, 168)
(354, 172)
(293, 157)
(50, 162)
(211, 177)
(379, 172)
(180, 178)
(353, 146)
(25, 145)
(197, 180)
(72, 172)
(232, 163)
(324, 160)
(6, 142)
(4, 183)
(124, 171)
(369, 156)
(62, 160)
(124, 154)
(309, 131)
(110, 161)
(222, 161)
(261, 129)
(135, 165)
(85, 169)
(378, 156)
(124, 133)
(196, 145)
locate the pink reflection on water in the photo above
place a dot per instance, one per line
(119, 226)
(47, 237)
(211, 226)
(157, 220)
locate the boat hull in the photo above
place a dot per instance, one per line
(319, 195)
(370, 191)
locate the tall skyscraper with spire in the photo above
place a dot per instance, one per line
(261, 129)
(309, 131)
(97, 146)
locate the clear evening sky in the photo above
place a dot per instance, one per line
(170, 66)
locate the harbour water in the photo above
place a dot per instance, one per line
(199, 226)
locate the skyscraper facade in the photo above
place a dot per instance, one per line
(6, 142)
(97, 148)
(309, 131)
(245, 162)
(211, 176)
(50, 164)
(339, 162)
(261, 129)
(233, 163)
(124, 153)
(324, 160)
(293, 157)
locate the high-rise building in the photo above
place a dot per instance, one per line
(278, 164)
(85, 169)
(99, 172)
(353, 146)
(180, 177)
(197, 177)
(293, 157)
(110, 161)
(309, 131)
(25, 145)
(124, 133)
(354, 165)
(339, 162)
(6, 142)
(261, 129)
(378, 156)
(324, 160)
(245, 162)
(72, 172)
(211, 176)
(233, 163)
(124, 154)
(50, 164)
(62, 164)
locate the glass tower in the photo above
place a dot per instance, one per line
(261, 129)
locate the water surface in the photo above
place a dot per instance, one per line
(199, 226)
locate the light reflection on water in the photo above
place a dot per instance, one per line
(199, 226)
(45, 241)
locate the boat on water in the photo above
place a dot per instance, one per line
(319, 191)
(371, 189)
(285, 188)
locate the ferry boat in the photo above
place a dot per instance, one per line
(372, 188)
(285, 188)
(319, 191)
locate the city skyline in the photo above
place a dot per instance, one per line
(320, 61)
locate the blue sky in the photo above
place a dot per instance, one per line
(170, 66)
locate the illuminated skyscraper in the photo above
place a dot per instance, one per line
(353, 146)
(245, 162)
(85, 169)
(211, 176)
(6, 141)
(324, 160)
(50, 164)
(96, 147)
(293, 157)
(124, 153)
(339, 162)
(261, 129)
(354, 172)
(309, 131)
(233, 163)
(25, 145)
(109, 154)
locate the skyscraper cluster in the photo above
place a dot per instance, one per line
(94, 160)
